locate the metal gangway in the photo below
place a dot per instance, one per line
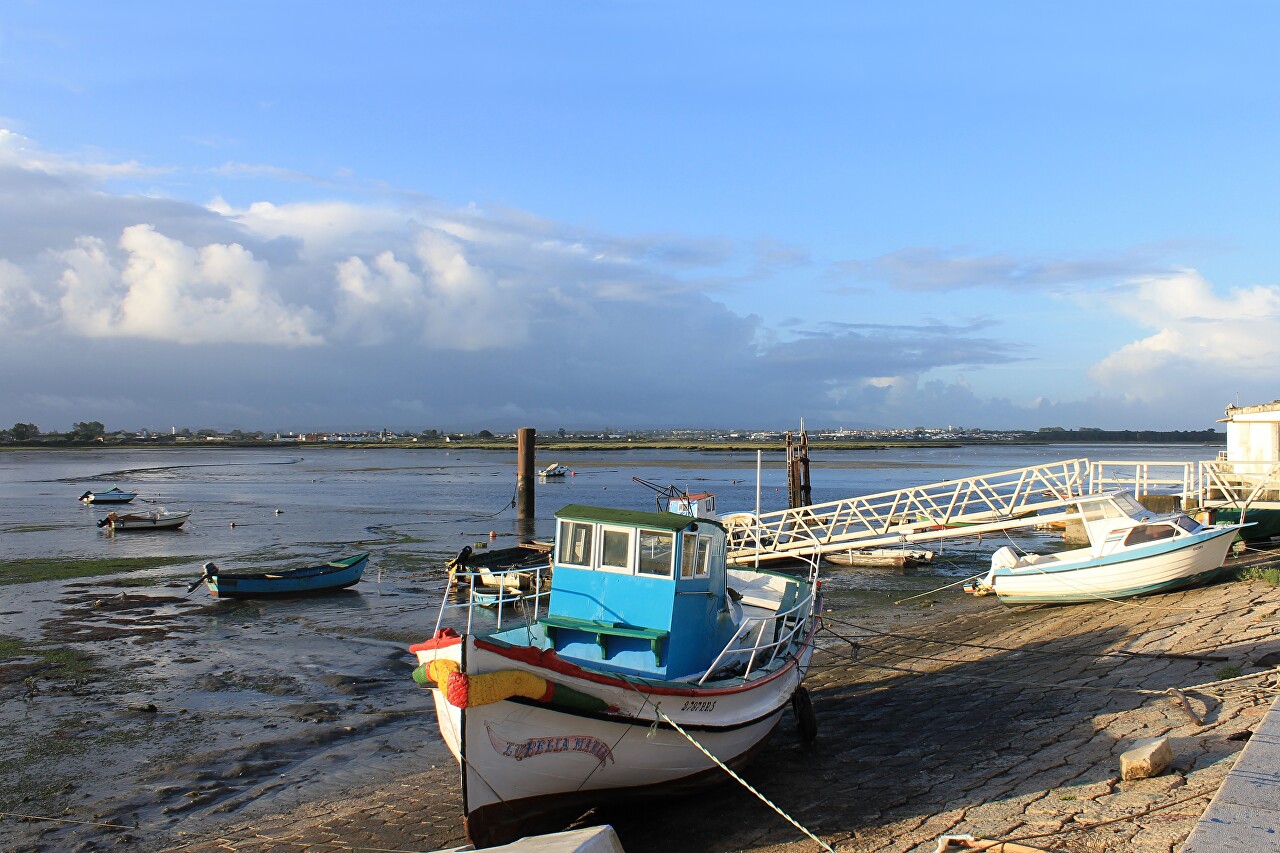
(1021, 497)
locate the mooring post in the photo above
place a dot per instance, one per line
(524, 473)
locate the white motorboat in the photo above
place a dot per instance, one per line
(1132, 551)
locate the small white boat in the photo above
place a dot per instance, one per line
(155, 519)
(1132, 551)
(554, 470)
(113, 495)
(647, 650)
(889, 558)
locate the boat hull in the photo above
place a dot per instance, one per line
(315, 581)
(528, 764)
(1139, 572)
(171, 521)
(880, 558)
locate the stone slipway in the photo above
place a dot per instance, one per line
(963, 717)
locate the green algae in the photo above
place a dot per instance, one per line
(35, 569)
(55, 662)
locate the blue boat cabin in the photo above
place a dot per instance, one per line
(638, 592)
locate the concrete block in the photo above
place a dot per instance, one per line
(1145, 759)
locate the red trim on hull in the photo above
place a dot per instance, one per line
(443, 638)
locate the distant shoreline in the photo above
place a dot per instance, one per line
(597, 446)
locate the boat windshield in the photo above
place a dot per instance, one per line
(1098, 510)
(1129, 505)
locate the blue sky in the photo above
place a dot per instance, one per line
(466, 216)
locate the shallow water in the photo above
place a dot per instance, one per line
(191, 709)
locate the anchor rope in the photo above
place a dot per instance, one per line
(743, 782)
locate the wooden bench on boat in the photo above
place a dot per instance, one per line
(604, 630)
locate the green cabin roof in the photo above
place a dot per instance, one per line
(630, 517)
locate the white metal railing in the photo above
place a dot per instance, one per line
(776, 635)
(1143, 478)
(1238, 484)
(1002, 500)
(522, 591)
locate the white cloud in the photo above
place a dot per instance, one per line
(1198, 332)
(17, 150)
(406, 307)
(322, 226)
(172, 292)
(21, 305)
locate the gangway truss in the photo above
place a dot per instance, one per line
(1021, 497)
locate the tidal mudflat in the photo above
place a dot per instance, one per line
(136, 713)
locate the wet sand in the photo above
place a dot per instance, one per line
(958, 717)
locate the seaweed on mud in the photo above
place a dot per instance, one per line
(20, 660)
(36, 569)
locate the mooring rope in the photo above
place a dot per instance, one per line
(1041, 651)
(941, 588)
(741, 781)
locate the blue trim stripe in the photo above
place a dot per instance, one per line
(1078, 597)
(1140, 552)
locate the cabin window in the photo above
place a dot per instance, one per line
(575, 543)
(696, 558)
(1148, 533)
(1188, 524)
(615, 548)
(656, 551)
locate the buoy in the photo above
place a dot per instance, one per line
(279, 511)
(493, 534)
(233, 524)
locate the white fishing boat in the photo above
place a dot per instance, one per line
(648, 650)
(554, 470)
(1132, 551)
(154, 519)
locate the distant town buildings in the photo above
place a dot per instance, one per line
(31, 434)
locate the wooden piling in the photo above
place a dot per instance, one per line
(525, 477)
(799, 491)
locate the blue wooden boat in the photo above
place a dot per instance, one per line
(311, 580)
(113, 495)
